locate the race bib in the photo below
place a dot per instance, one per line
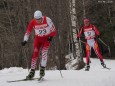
(42, 32)
(89, 34)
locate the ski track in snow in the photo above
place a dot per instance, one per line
(97, 76)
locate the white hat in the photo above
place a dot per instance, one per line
(38, 14)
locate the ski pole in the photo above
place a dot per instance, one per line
(106, 46)
(23, 48)
(57, 65)
(60, 73)
(82, 41)
(102, 41)
(59, 69)
(113, 38)
(109, 51)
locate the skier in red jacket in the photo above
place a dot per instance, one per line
(90, 32)
(44, 32)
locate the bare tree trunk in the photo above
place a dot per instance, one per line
(79, 63)
(114, 38)
(110, 15)
(84, 13)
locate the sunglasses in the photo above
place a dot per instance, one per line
(39, 19)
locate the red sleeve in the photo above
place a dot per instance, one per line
(53, 31)
(53, 34)
(96, 30)
(79, 34)
(29, 28)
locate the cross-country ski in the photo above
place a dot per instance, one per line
(57, 42)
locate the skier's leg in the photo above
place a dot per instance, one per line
(97, 51)
(87, 56)
(37, 46)
(44, 57)
(34, 59)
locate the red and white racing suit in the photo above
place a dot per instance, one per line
(42, 32)
(90, 33)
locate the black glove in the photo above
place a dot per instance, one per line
(50, 38)
(24, 43)
(97, 37)
(77, 38)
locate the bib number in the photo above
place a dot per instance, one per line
(42, 31)
(89, 33)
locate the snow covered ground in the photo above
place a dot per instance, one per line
(97, 76)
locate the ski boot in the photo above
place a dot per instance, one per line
(103, 64)
(87, 68)
(31, 74)
(89, 61)
(42, 71)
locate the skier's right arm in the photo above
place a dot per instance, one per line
(79, 34)
(27, 34)
(52, 29)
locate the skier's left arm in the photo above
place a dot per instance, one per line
(96, 30)
(27, 34)
(52, 29)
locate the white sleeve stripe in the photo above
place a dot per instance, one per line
(52, 28)
(26, 37)
(28, 33)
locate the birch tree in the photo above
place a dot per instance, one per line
(75, 29)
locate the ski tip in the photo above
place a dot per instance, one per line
(40, 79)
(107, 68)
(22, 80)
(8, 81)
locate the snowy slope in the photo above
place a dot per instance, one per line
(97, 76)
